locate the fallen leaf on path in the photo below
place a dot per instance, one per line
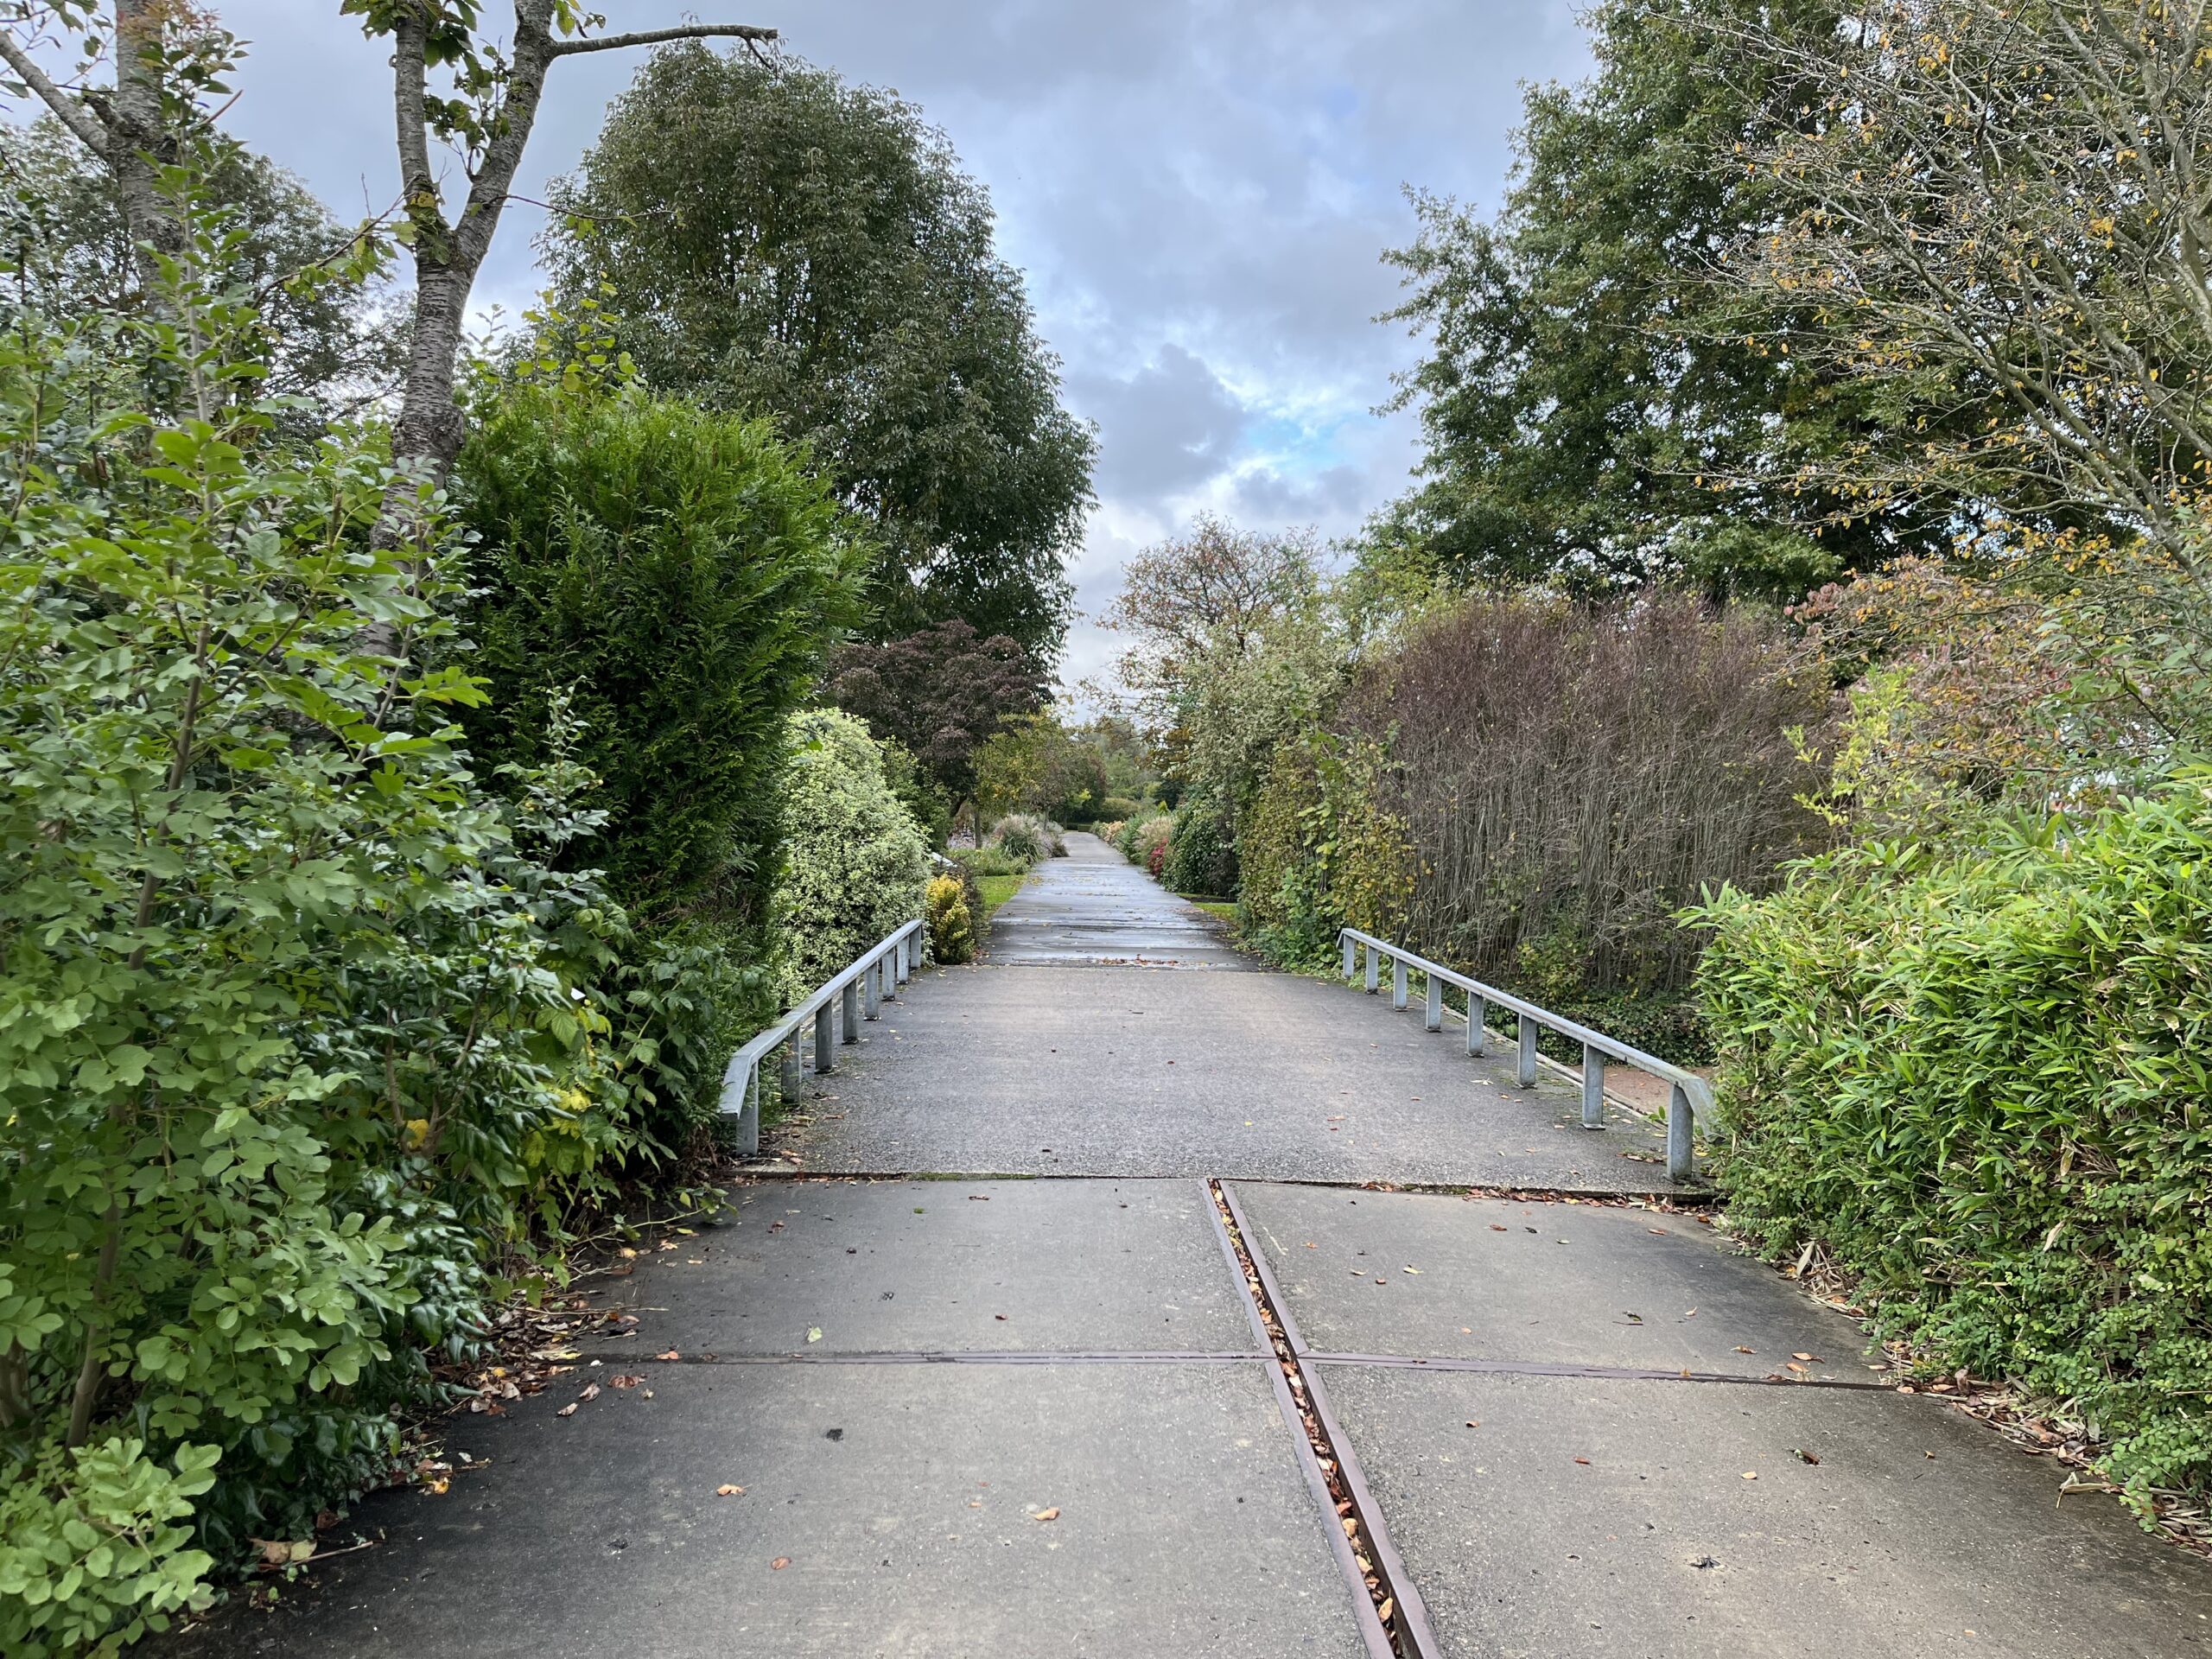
(569, 1410)
(624, 1382)
(1383, 1611)
(1052, 1514)
(1742, 1349)
(670, 1353)
(1800, 1369)
(1496, 1227)
(1815, 1358)
(1585, 1462)
(780, 1563)
(814, 1333)
(1804, 1456)
(1414, 1271)
(729, 1492)
(1751, 1474)
(1474, 1422)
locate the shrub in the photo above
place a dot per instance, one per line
(992, 860)
(292, 1011)
(682, 575)
(1978, 1075)
(1149, 845)
(1113, 812)
(1023, 838)
(1201, 856)
(952, 927)
(1570, 779)
(855, 865)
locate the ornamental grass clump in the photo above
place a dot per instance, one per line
(1980, 1074)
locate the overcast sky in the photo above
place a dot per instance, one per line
(1198, 192)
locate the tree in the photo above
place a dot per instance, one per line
(324, 333)
(939, 694)
(168, 58)
(2003, 226)
(778, 242)
(1588, 418)
(1214, 590)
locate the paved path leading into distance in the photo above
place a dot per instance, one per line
(1068, 1318)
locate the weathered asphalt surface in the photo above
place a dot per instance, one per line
(1039, 1417)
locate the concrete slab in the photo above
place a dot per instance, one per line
(1125, 1071)
(1094, 906)
(929, 1265)
(1658, 1544)
(887, 1510)
(1553, 1283)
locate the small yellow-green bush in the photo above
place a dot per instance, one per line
(952, 927)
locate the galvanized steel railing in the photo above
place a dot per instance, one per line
(855, 995)
(1688, 1093)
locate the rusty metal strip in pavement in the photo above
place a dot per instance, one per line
(1393, 1621)
(956, 1357)
(1602, 1373)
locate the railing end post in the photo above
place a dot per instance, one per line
(1525, 1074)
(1681, 1135)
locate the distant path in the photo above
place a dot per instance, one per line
(941, 1417)
(1111, 1030)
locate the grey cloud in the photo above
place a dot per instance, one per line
(1163, 430)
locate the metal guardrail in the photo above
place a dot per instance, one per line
(856, 993)
(1688, 1093)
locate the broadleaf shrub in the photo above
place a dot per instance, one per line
(288, 996)
(1202, 853)
(855, 866)
(1980, 1074)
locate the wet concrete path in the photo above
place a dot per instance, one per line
(1193, 1390)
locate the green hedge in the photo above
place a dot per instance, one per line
(1982, 1076)
(682, 577)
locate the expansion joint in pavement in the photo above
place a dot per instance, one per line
(1393, 1620)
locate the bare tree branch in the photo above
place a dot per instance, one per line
(659, 36)
(74, 113)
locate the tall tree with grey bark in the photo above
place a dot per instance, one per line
(452, 89)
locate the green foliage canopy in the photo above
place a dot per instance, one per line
(780, 242)
(1592, 410)
(854, 864)
(1977, 1073)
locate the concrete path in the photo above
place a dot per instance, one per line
(1143, 1409)
(1085, 1044)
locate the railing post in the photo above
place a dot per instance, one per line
(748, 1119)
(900, 961)
(787, 1076)
(889, 968)
(871, 990)
(1478, 1031)
(849, 1010)
(1351, 958)
(1593, 1088)
(825, 1041)
(1374, 969)
(1681, 1146)
(1435, 1016)
(1397, 985)
(1526, 1074)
